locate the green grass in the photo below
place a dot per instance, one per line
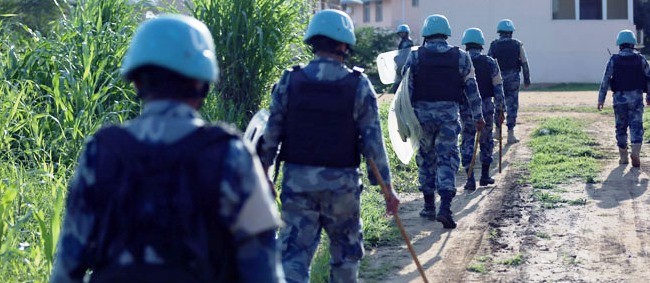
(543, 235)
(580, 109)
(513, 261)
(562, 153)
(564, 87)
(477, 267)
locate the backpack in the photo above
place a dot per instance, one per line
(164, 198)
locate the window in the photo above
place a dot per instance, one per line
(564, 10)
(366, 12)
(616, 9)
(415, 3)
(591, 9)
(379, 11)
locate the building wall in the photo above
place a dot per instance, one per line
(558, 50)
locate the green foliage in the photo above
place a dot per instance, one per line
(561, 151)
(35, 14)
(370, 42)
(514, 261)
(255, 40)
(404, 176)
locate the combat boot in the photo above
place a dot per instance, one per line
(470, 185)
(511, 137)
(485, 175)
(445, 215)
(429, 211)
(622, 152)
(636, 155)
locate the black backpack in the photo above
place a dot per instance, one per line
(164, 197)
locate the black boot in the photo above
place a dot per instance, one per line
(470, 185)
(445, 215)
(485, 175)
(429, 211)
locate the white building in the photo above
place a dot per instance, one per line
(565, 40)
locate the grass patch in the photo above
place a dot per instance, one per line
(646, 127)
(564, 87)
(561, 152)
(513, 261)
(377, 274)
(478, 267)
(580, 109)
(543, 235)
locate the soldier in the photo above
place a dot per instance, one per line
(439, 75)
(167, 197)
(405, 40)
(404, 43)
(628, 75)
(511, 56)
(325, 115)
(490, 85)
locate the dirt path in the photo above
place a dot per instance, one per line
(604, 240)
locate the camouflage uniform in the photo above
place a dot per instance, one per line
(316, 198)
(511, 81)
(490, 110)
(628, 105)
(246, 203)
(437, 157)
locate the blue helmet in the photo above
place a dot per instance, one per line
(334, 24)
(505, 25)
(403, 28)
(626, 36)
(436, 24)
(179, 43)
(473, 35)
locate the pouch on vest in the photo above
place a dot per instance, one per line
(162, 199)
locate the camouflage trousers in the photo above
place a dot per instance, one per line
(437, 158)
(305, 215)
(468, 134)
(629, 115)
(511, 95)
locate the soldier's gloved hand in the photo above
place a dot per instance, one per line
(480, 124)
(600, 106)
(392, 201)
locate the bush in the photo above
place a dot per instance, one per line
(255, 41)
(370, 42)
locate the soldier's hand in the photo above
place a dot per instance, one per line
(392, 202)
(600, 106)
(480, 124)
(526, 85)
(501, 117)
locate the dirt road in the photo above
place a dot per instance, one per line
(502, 229)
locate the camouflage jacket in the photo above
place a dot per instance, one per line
(622, 97)
(245, 200)
(303, 178)
(466, 70)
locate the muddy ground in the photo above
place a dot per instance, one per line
(502, 230)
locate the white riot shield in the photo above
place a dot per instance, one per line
(391, 62)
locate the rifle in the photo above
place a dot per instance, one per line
(384, 190)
